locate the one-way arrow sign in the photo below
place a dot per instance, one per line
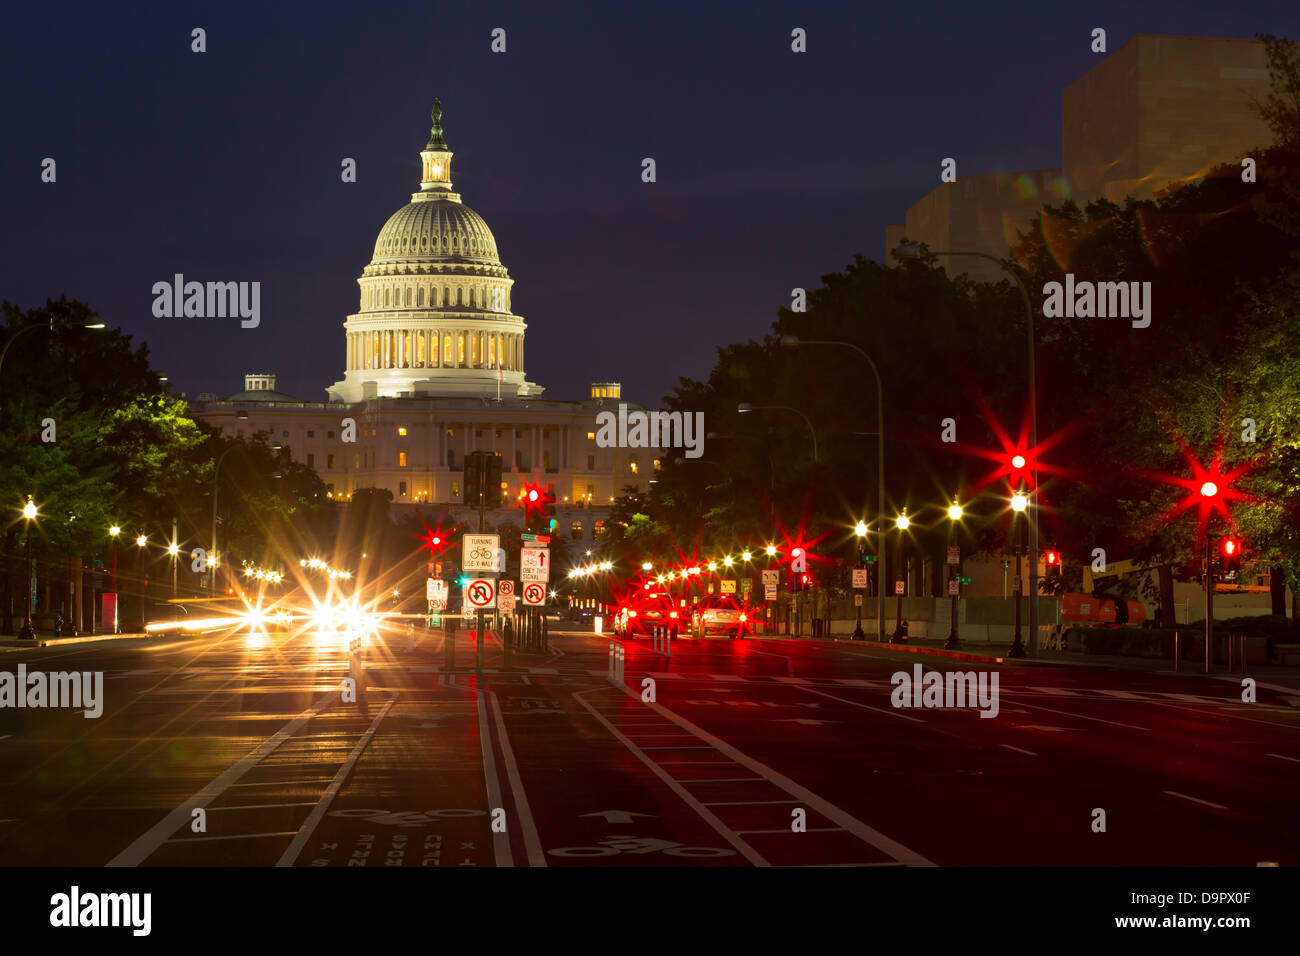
(616, 816)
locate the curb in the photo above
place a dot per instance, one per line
(55, 641)
(934, 652)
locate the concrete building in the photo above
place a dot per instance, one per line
(434, 370)
(1157, 113)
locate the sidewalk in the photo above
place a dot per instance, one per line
(1282, 678)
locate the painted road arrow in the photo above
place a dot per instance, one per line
(616, 816)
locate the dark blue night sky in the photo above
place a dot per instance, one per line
(773, 168)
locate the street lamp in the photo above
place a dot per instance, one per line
(860, 529)
(902, 522)
(793, 341)
(113, 532)
(173, 549)
(29, 512)
(744, 408)
(911, 251)
(1019, 502)
(954, 572)
(140, 542)
(50, 326)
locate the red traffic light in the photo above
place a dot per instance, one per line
(1231, 547)
(532, 494)
(803, 579)
(437, 540)
(1053, 557)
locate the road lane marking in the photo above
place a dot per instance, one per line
(722, 780)
(533, 842)
(1123, 694)
(1054, 691)
(309, 825)
(1175, 793)
(1283, 757)
(745, 803)
(1066, 713)
(492, 781)
(869, 835)
(283, 783)
(792, 680)
(1020, 750)
(747, 851)
(235, 836)
(148, 842)
(264, 806)
(854, 703)
(783, 832)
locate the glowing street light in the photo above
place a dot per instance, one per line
(954, 511)
(746, 556)
(1019, 501)
(646, 566)
(860, 529)
(902, 522)
(771, 551)
(27, 633)
(727, 561)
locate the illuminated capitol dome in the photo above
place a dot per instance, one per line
(435, 315)
(434, 372)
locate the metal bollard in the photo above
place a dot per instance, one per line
(620, 659)
(611, 660)
(1231, 638)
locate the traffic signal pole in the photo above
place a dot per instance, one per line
(1208, 577)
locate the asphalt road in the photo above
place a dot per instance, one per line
(753, 753)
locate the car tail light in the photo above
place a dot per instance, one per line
(742, 617)
(673, 614)
(631, 613)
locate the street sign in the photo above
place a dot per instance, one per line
(535, 565)
(436, 590)
(953, 587)
(506, 588)
(771, 577)
(799, 564)
(859, 577)
(769, 592)
(964, 580)
(437, 604)
(539, 538)
(430, 589)
(900, 587)
(506, 603)
(480, 593)
(871, 559)
(954, 556)
(435, 620)
(746, 585)
(857, 600)
(729, 586)
(479, 552)
(534, 594)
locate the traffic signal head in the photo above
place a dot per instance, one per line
(1230, 547)
(1053, 559)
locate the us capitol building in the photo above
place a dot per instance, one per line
(434, 369)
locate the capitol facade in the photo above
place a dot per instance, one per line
(434, 370)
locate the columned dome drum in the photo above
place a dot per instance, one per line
(435, 315)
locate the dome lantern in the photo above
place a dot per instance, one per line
(436, 162)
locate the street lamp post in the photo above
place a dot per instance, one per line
(911, 251)
(902, 521)
(793, 341)
(860, 530)
(140, 543)
(954, 573)
(29, 512)
(37, 325)
(744, 408)
(1019, 502)
(113, 533)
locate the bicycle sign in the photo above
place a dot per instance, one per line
(479, 552)
(534, 594)
(480, 593)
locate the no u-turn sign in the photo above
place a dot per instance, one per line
(480, 593)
